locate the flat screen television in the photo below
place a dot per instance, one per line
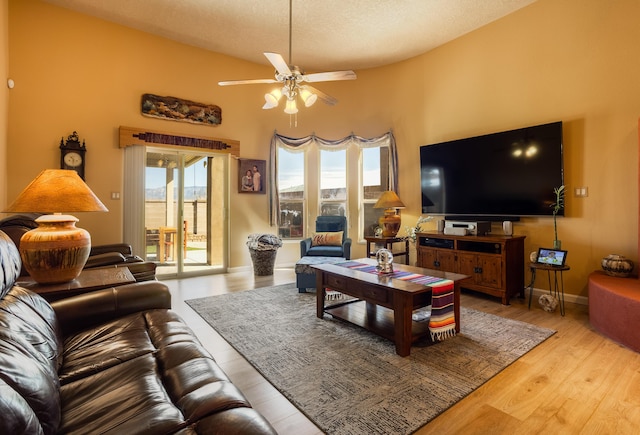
(499, 176)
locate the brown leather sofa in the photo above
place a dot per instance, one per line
(115, 361)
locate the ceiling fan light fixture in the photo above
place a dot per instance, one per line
(272, 98)
(308, 97)
(291, 107)
(292, 77)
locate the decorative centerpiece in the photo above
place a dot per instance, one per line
(384, 258)
(617, 265)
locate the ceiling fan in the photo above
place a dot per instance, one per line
(293, 80)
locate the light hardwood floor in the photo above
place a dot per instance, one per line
(576, 382)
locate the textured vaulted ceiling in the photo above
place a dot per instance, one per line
(327, 34)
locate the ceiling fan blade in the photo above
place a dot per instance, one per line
(246, 82)
(329, 76)
(324, 97)
(278, 62)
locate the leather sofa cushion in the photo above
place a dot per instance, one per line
(31, 317)
(10, 264)
(29, 394)
(30, 355)
(96, 349)
(121, 399)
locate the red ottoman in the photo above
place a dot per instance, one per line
(614, 308)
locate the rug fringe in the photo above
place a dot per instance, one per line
(332, 295)
(443, 335)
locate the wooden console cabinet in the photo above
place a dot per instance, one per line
(495, 263)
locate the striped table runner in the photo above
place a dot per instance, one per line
(442, 322)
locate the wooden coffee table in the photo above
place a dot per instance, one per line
(383, 305)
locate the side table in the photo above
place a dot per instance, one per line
(88, 280)
(558, 284)
(387, 242)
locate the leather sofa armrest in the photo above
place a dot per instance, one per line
(305, 245)
(105, 259)
(123, 248)
(143, 271)
(83, 311)
(346, 249)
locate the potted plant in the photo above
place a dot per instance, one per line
(557, 206)
(411, 231)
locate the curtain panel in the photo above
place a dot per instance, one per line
(300, 144)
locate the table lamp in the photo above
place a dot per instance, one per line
(390, 221)
(57, 250)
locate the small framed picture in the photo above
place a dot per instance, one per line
(252, 176)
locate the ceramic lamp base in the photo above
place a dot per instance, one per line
(56, 251)
(390, 223)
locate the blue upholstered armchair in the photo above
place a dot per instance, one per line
(317, 247)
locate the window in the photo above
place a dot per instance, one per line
(343, 177)
(374, 180)
(333, 183)
(291, 193)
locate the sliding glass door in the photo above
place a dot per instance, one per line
(185, 211)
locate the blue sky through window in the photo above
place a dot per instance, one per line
(291, 168)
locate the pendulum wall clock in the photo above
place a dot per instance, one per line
(72, 154)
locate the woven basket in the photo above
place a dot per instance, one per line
(263, 261)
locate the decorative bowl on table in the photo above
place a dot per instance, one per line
(617, 265)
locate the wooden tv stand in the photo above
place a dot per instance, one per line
(495, 263)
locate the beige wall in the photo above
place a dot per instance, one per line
(574, 61)
(569, 60)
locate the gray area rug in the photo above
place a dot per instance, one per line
(350, 381)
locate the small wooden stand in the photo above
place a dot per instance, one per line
(557, 289)
(387, 242)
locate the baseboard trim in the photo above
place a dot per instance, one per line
(580, 300)
(240, 269)
(250, 268)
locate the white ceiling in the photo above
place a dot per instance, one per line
(327, 34)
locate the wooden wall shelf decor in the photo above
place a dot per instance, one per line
(177, 109)
(130, 136)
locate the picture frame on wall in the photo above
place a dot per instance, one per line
(252, 176)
